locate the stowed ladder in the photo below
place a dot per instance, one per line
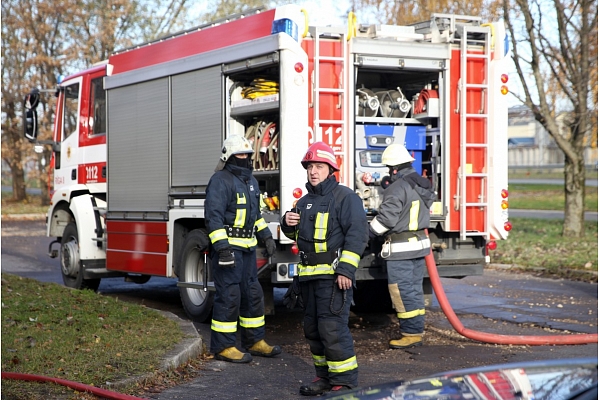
(473, 35)
(318, 88)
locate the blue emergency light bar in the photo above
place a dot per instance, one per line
(285, 25)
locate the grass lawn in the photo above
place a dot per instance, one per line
(535, 244)
(529, 196)
(77, 335)
(33, 205)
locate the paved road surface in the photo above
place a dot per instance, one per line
(497, 302)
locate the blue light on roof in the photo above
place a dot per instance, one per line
(285, 25)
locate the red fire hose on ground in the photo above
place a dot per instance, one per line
(103, 393)
(491, 337)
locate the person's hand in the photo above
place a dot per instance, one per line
(226, 258)
(372, 235)
(344, 283)
(292, 218)
(271, 246)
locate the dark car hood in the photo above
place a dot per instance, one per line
(555, 379)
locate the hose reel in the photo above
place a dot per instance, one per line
(367, 103)
(393, 104)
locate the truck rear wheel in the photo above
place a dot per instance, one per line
(70, 264)
(197, 303)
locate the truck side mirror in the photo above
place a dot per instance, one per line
(30, 126)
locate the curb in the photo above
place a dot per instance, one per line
(188, 348)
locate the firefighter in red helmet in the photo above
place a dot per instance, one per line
(329, 225)
(234, 222)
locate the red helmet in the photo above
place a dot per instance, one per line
(321, 153)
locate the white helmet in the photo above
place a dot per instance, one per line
(396, 154)
(235, 144)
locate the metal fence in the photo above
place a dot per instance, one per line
(548, 157)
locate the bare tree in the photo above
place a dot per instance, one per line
(556, 56)
(45, 39)
(219, 9)
(407, 12)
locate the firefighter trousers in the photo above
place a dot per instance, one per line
(238, 296)
(326, 314)
(405, 283)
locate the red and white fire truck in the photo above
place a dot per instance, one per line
(137, 138)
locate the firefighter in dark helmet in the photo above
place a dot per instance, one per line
(402, 218)
(330, 227)
(234, 222)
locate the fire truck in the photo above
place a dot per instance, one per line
(136, 139)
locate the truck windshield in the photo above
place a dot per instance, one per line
(70, 109)
(98, 111)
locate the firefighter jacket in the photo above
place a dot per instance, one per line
(403, 216)
(332, 233)
(233, 217)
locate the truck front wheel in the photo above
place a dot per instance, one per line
(70, 264)
(192, 267)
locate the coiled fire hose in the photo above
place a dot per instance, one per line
(491, 337)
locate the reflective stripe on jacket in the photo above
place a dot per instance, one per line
(332, 220)
(232, 201)
(402, 217)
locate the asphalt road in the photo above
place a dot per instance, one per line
(499, 302)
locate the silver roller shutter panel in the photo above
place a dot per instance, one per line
(138, 148)
(197, 127)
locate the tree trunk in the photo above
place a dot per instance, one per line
(18, 181)
(573, 225)
(43, 163)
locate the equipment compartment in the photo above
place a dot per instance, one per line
(253, 111)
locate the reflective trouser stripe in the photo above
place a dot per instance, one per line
(225, 327)
(252, 322)
(320, 361)
(342, 366)
(350, 258)
(410, 314)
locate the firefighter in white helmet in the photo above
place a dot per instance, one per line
(402, 218)
(234, 222)
(329, 225)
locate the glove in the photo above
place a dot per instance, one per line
(271, 246)
(372, 235)
(226, 258)
(293, 296)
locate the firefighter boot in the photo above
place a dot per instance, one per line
(233, 355)
(406, 342)
(316, 387)
(262, 349)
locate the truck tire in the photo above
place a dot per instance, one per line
(70, 264)
(197, 303)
